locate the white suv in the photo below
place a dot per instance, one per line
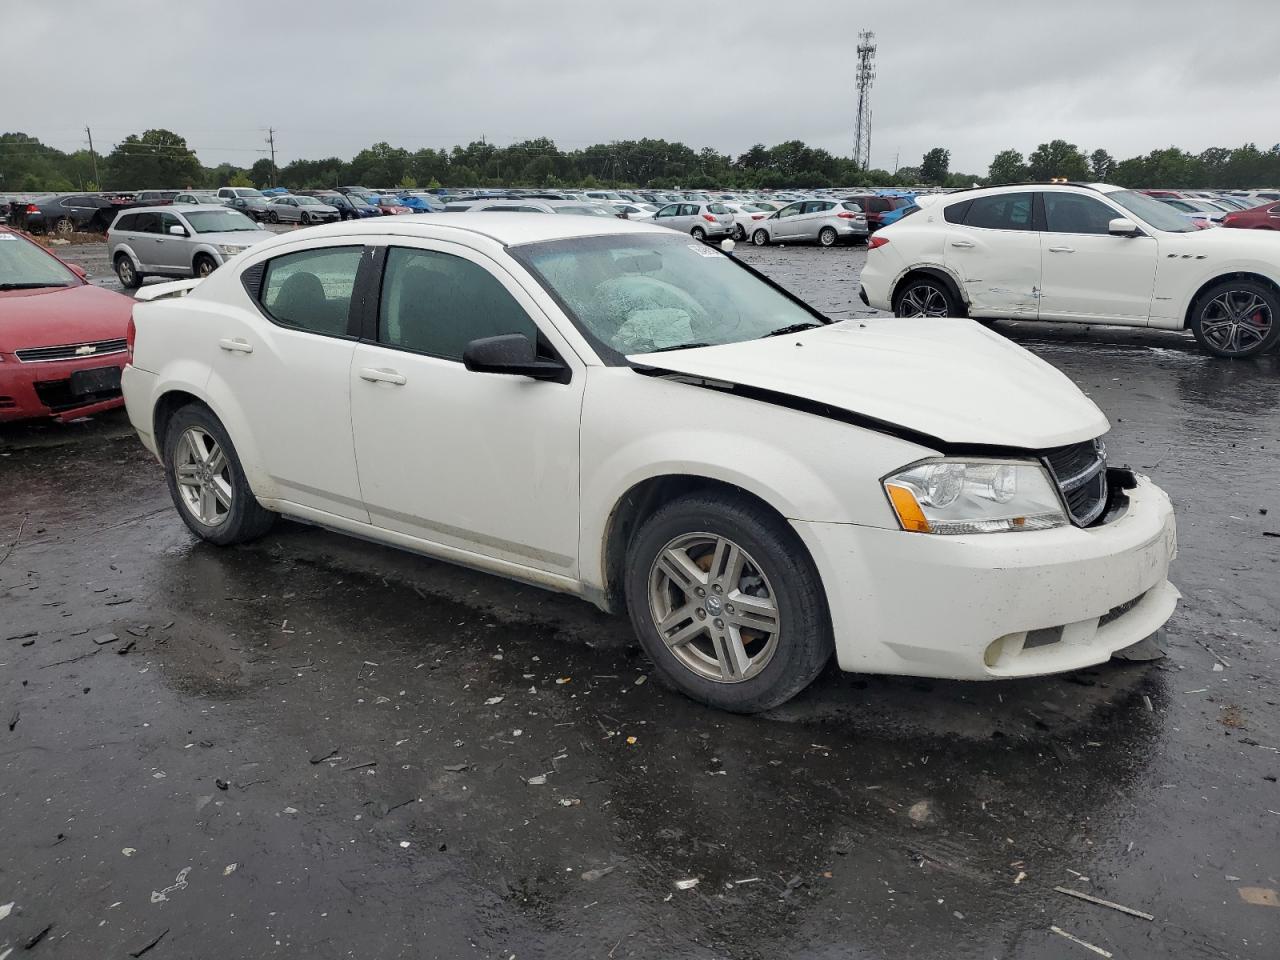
(1080, 253)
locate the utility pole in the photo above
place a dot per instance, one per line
(865, 75)
(271, 140)
(895, 163)
(94, 157)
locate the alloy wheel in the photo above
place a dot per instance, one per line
(64, 226)
(923, 300)
(125, 271)
(827, 237)
(1236, 321)
(204, 267)
(203, 474)
(714, 607)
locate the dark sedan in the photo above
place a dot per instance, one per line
(254, 208)
(64, 214)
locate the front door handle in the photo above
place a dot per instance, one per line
(379, 375)
(236, 346)
(1062, 249)
(964, 244)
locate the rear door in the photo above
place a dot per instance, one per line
(142, 238)
(1089, 275)
(995, 251)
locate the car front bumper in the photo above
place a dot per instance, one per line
(993, 606)
(44, 389)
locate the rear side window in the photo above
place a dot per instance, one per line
(147, 223)
(311, 290)
(1004, 211)
(718, 208)
(955, 213)
(436, 303)
(850, 205)
(127, 222)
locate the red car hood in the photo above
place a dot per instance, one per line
(52, 316)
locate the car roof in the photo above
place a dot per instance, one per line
(508, 229)
(171, 208)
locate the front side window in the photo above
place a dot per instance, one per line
(791, 211)
(168, 220)
(1073, 213)
(1152, 212)
(220, 220)
(436, 303)
(1003, 211)
(637, 293)
(311, 290)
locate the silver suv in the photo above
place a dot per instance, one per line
(825, 222)
(178, 241)
(702, 221)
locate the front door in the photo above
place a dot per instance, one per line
(787, 225)
(172, 251)
(995, 251)
(1088, 274)
(483, 463)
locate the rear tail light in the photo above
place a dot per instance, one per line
(877, 241)
(130, 334)
(1229, 218)
(757, 216)
(32, 208)
(850, 216)
(709, 218)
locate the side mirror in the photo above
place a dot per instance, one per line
(178, 231)
(78, 270)
(1123, 227)
(512, 354)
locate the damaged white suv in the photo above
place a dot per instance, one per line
(1079, 253)
(612, 410)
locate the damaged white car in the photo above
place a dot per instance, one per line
(615, 411)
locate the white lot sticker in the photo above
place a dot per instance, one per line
(7, 236)
(702, 250)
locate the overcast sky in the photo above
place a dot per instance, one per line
(332, 77)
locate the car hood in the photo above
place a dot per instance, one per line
(948, 379)
(238, 238)
(53, 316)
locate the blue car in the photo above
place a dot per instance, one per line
(420, 204)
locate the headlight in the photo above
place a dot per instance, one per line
(979, 496)
(231, 249)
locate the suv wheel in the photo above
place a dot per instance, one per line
(1237, 318)
(206, 481)
(129, 277)
(827, 236)
(925, 297)
(727, 602)
(203, 266)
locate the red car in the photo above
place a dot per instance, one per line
(391, 206)
(1265, 217)
(62, 340)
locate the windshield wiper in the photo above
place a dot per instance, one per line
(678, 346)
(793, 328)
(30, 286)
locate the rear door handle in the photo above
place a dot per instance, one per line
(1062, 249)
(965, 244)
(376, 375)
(236, 346)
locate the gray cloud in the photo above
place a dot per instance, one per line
(331, 77)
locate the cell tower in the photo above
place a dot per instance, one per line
(866, 74)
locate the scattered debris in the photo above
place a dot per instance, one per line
(1104, 903)
(143, 949)
(738, 883)
(570, 802)
(687, 884)
(592, 875)
(289, 810)
(23, 636)
(563, 680)
(229, 869)
(1022, 875)
(13, 721)
(537, 781)
(641, 679)
(138, 631)
(40, 935)
(104, 638)
(457, 767)
(919, 812)
(6, 909)
(27, 643)
(59, 663)
(1146, 701)
(129, 851)
(360, 766)
(1084, 943)
(405, 844)
(127, 647)
(493, 701)
(631, 741)
(221, 784)
(1260, 896)
(179, 883)
(322, 757)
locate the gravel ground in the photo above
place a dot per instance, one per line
(295, 748)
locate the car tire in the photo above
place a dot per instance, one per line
(305, 219)
(698, 234)
(1237, 319)
(64, 226)
(215, 503)
(925, 296)
(827, 237)
(203, 265)
(760, 238)
(740, 234)
(719, 664)
(127, 274)
(273, 217)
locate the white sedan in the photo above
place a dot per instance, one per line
(1079, 253)
(612, 410)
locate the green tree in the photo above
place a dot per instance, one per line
(1007, 167)
(155, 158)
(1101, 165)
(262, 173)
(935, 165)
(1055, 159)
(240, 179)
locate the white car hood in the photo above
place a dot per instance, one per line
(949, 379)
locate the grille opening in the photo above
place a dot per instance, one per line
(1042, 638)
(1080, 472)
(68, 351)
(1115, 613)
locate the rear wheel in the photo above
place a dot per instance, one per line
(827, 236)
(925, 297)
(1237, 318)
(128, 275)
(727, 602)
(64, 226)
(206, 481)
(698, 234)
(760, 238)
(740, 233)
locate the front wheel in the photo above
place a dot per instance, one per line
(129, 277)
(827, 236)
(273, 217)
(306, 219)
(727, 602)
(698, 234)
(760, 238)
(925, 297)
(1236, 319)
(203, 266)
(206, 481)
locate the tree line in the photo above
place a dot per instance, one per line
(162, 158)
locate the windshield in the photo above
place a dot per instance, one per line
(23, 265)
(335, 200)
(307, 201)
(585, 211)
(219, 221)
(640, 293)
(247, 192)
(1152, 212)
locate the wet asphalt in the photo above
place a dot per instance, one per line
(315, 747)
